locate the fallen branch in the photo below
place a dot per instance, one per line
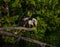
(26, 39)
(16, 28)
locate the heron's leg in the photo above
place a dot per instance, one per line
(25, 23)
(29, 25)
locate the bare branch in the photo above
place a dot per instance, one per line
(36, 41)
(8, 34)
(26, 39)
(16, 28)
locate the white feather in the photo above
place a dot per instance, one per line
(34, 21)
(25, 18)
(30, 22)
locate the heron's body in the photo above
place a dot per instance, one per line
(28, 22)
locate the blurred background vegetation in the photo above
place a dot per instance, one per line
(45, 11)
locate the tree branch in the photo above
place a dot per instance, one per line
(16, 28)
(26, 39)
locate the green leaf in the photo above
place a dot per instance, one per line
(15, 4)
(7, 0)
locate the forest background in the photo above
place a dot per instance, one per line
(45, 11)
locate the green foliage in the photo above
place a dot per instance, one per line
(47, 13)
(15, 4)
(9, 39)
(7, 0)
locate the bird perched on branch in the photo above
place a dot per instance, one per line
(27, 22)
